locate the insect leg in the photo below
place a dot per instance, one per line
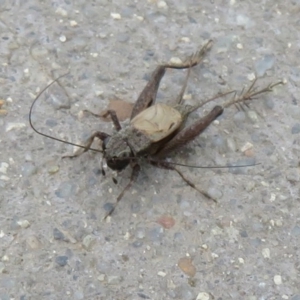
(250, 94)
(148, 95)
(98, 134)
(189, 133)
(165, 165)
(134, 174)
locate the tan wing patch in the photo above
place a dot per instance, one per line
(157, 121)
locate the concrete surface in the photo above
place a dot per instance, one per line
(53, 240)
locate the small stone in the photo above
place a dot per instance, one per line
(23, 223)
(296, 128)
(58, 235)
(185, 264)
(166, 221)
(3, 167)
(1, 103)
(251, 76)
(53, 169)
(61, 11)
(215, 193)
(241, 260)
(272, 197)
(62, 38)
(185, 39)
(239, 46)
(277, 279)
(246, 147)
(88, 241)
(73, 23)
(266, 253)
(203, 296)
(101, 277)
(162, 4)
(5, 258)
(116, 16)
(61, 260)
(161, 274)
(252, 115)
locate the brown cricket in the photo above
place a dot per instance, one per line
(156, 129)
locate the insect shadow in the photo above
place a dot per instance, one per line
(156, 129)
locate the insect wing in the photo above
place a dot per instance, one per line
(157, 121)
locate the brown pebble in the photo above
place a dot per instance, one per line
(1, 103)
(166, 222)
(249, 152)
(185, 264)
(3, 112)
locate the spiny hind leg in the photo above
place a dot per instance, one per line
(148, 95)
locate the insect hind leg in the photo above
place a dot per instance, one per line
(148, 95)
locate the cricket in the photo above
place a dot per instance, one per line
(156, 129)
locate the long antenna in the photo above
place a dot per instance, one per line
(46, 135)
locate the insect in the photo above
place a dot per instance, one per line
(157, 129)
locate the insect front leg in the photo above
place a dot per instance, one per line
(148, 95)
(134, 175)
(86, 146)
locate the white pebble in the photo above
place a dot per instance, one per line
(185, 39)
(277, 279)
(116, 16)
(62, 38)
(251, 76)
(23, 223)
(73, 23)
(101, 277)
(162, 4)
(246, 147)
(94, 54)
(266, 253)
(3, 167)
(5, 258)
(239, 46)
(61, 11)
(204, 246)
(273, 197)
(203, 296)
(241, 260)
(161, 274)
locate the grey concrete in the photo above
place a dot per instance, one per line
(53, 240)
